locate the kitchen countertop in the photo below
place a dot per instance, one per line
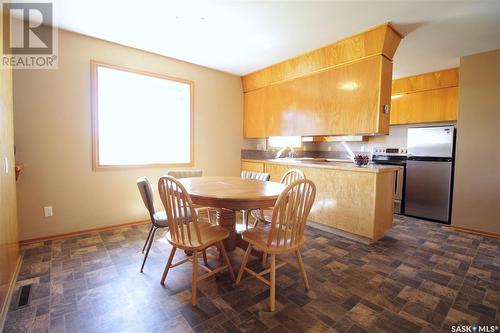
(336, 164)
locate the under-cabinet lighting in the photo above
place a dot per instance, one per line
(285, 141)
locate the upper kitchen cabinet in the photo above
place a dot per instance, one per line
(425, 98)
(340, 89)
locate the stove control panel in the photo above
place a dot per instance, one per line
(389, 151)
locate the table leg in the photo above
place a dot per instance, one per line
(227, 220)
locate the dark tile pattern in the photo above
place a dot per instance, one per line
(421, 277)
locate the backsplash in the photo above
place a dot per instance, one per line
(396, 139)
(269, 154)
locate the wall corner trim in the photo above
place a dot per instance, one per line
(5, 306)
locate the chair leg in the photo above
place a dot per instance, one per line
(205, 260)
(272, 297)
(220, 257)
(244, 215)
(209, 216)
(169, 263)
(302, 269)
(264, 260)
(226, 258)
(195, 278)
(244, 263)
(249, 215)
(149, 247)
(147, 239)
(260, 216)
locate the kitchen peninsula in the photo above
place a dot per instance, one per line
(342, 89)
(356, 202)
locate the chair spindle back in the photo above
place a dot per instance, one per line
(292, 175)
(290, 214)
(255, 175)
(185, 173)
(180, 212)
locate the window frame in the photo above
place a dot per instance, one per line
(96, 166)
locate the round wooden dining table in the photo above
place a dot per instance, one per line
(230, 194)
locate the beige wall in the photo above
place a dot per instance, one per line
(53, 137)
(8, 220)
(477, 173)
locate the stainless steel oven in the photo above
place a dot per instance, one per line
(398, 189)
(397, 158)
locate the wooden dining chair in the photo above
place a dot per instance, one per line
(263, 176)
(158, 218)
(188, 173)
(285, 234)
(292, 175)
(288, 177)
(189, 234)
(265, 215)
(185, 173)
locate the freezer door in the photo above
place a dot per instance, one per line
(431, 141)
(428, 189)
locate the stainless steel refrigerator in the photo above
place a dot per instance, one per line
(429, 172)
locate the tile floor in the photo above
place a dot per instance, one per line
(421, 277)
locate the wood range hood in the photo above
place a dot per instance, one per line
(340, 89)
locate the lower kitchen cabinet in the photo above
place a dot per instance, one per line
(355, 201)
(252, 166)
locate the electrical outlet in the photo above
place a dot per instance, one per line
(260, 146)
(47, 211)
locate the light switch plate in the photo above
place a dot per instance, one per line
(47, 211)
(6, 165)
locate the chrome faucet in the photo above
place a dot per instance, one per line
(291, 154)
(278, 154)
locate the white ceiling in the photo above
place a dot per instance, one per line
(242, 36)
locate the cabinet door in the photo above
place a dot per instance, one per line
(425, 106)
(339, 101)
(282, 115)
(252, 166)
(254, 114)
(276, 171)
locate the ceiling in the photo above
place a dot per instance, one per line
(239, 37)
